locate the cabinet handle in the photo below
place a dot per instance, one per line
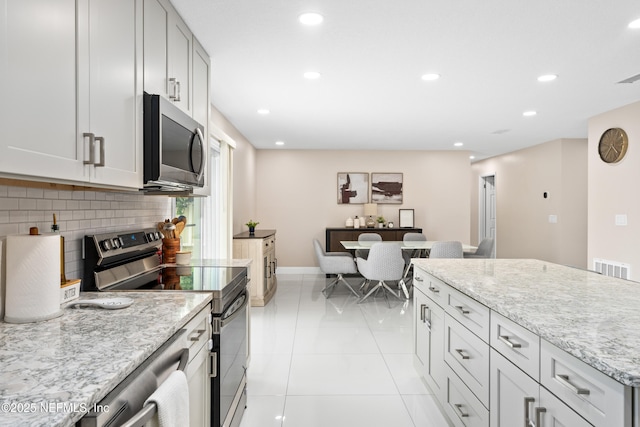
(92, 141)
(505, 339)
(462, 310)
(422, 312)
(214, 364)
(176, 89)
(527, 402)
(462, 354)
(198, 333)
(418, 279)
(539, 411)
(434, 289)
(564, 380)
(101, 140)
(461, 413)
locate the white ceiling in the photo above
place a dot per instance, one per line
(372, 54)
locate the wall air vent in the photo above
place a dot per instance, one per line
(631, 79)
(612, 268)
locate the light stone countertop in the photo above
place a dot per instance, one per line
(593, 317)
(57, 369)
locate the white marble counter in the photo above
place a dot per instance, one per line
(51, 372)
(593, 317)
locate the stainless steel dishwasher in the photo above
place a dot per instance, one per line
(125, 403)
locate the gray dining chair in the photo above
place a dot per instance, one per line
(367, 238)
(484, 250)
(446, 249)
(407, 254)
(338, 263)
(385, 263)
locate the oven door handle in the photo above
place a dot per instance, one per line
(145, 414)
(236, 311)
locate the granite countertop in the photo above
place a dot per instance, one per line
(52, 372)
(593, 317)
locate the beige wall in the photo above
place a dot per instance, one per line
(244, 173)
(558, 168)
(614, 190)
(297, 194)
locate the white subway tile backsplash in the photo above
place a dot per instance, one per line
(78, 213)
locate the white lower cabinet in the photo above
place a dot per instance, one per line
(198, 339)
(486, 370)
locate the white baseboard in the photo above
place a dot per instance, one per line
(298, 270)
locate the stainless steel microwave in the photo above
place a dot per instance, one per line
(174, 148)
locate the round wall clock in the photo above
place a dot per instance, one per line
(613, 145)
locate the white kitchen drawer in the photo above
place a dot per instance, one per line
(552, 412)
(198, 331)
(461, 406)
(468, 356)
(519, 345)
(598, 398)
(430, 286)
(469, 312)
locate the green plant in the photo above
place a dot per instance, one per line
(380, 219)
(252, 223)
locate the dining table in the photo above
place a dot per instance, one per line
(425, 244)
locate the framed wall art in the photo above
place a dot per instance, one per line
(406, 218)
(386, 187)
(353, 188)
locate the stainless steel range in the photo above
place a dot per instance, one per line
(131, 260)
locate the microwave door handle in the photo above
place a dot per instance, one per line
(202, 154)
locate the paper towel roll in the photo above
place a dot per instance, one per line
(33, 278)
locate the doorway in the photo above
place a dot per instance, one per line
(487, 210)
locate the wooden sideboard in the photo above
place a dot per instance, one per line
(334, 235)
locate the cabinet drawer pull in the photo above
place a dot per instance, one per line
(461, 309)
(539, 411)
(564, 380)
(527, 402)
(505, 339)
(462, 354)
(461, 413)
(101, 162)
(198, 333)
(92, 142)
(418, 279)
(434, 289)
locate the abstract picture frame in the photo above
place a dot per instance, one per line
(386, 187)
(353, 188)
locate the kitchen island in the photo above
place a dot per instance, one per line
(574, 333)
(52, 372)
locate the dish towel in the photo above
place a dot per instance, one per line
(172, 400)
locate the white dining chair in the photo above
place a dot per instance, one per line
(338, 263)
(485, 249)
(446, 249)
(385, 263)
(366, 238)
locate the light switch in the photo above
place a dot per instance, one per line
(621, 219)
(553, 219)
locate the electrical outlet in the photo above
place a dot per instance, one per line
(621, 219)
(553, 219)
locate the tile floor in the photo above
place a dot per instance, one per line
(332, 362)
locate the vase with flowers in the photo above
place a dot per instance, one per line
(252, 226)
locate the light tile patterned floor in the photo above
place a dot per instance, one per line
(320, 362)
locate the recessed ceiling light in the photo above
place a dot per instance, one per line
(263, 111)
(430, 76)
(310, 18)
(312, 75)
(472, 157)
(529, 113)
(547, 78)
(279, 142)
(635, 24)
(458, 144)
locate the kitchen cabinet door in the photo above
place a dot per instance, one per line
(110, 101)
(167, 54)
(71, 71)
(38, 68)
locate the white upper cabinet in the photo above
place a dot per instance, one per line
(167, 53)
(73, 99)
